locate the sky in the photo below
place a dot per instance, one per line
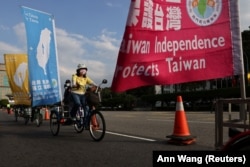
(87, 32)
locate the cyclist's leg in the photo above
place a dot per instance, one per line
(83, 102)
(77, 104)
(85, 109)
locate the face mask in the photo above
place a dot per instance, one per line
(83, 71)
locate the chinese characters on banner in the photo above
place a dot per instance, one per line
(17, 72)
(42, 57)
(176, 41)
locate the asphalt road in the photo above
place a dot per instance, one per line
(130, 140)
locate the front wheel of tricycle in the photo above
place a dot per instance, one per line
(54, 123)
(97, 126)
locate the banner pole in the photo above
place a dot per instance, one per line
(243, 106)
(237, 51)
(243, 96)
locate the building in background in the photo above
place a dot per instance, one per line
(4, 83)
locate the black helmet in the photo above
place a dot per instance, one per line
(67, 81)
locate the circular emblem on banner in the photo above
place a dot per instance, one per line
(204, 12)
(54, 83)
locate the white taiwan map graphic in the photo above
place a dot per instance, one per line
(20, 74)
(43, 49)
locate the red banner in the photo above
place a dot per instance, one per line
(174, 41)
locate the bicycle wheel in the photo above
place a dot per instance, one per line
(54, 123)
(26, 119)
(26, 115)
(78, 125)
(97, 126)
(239, 142)
(16, 115)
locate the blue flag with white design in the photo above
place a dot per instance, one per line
(42, 57)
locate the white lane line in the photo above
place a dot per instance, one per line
(129, 136)
(187, 121)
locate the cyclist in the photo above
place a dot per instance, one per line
(80, 80)
(67, 92)
(67, 99)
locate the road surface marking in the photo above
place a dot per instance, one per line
(203, 122)
(129, 136)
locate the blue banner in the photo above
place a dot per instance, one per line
(42, 57)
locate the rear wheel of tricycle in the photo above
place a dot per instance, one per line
(16, 115)
(26, 119)
(54, 123)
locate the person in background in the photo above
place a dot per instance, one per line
(67, 99)
(67, 92)
(8, 108)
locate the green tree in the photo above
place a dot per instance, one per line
(4, 102)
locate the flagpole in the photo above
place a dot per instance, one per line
(235, 23)
(57, 63)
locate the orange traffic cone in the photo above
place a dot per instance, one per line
(181, 134)
(46, 114)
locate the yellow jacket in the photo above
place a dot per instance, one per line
(81, 83)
